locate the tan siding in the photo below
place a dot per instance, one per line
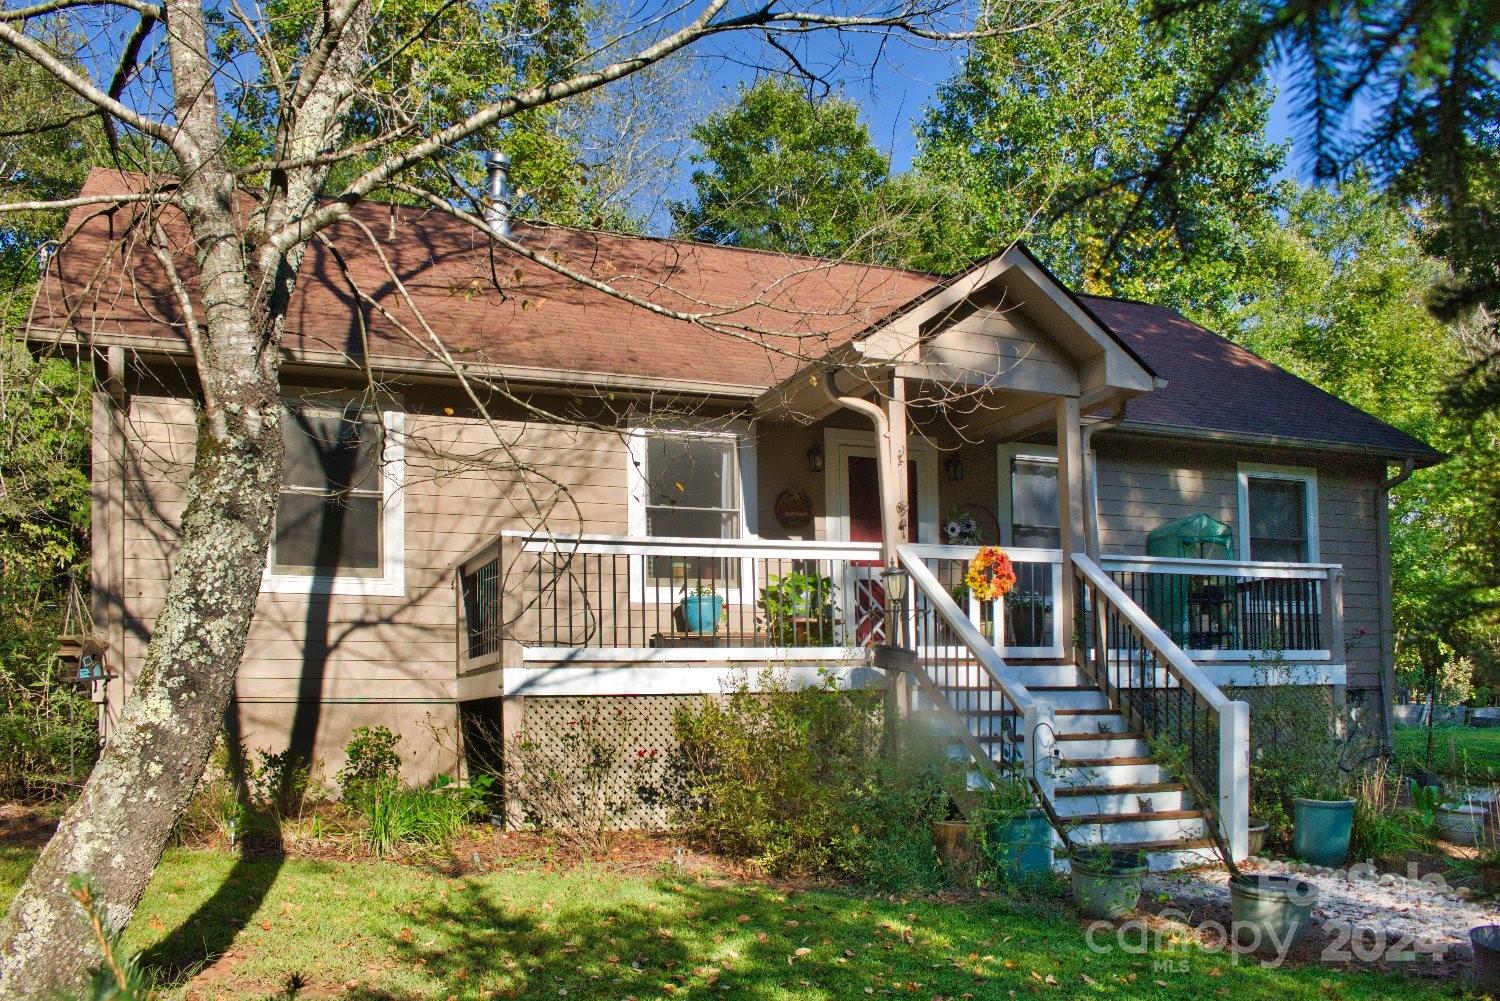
(1002, 346)
(1143, 484)
(324, 664)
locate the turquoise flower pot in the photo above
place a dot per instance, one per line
(1321, 830)
(700, 613)
(1022, 847)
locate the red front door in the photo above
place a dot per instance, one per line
(868, 606)
(864, 499)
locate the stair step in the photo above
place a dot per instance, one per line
(1168, 845)
(1107, 762)
(1126, 818)
(1114, 829)
(1122, 735)
(1126, 789)
(1103, 711)
(1090, 800)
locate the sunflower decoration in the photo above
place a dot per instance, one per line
(990, 575)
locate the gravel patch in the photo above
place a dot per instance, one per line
(1404, 912)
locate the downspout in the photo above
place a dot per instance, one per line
(890, 535)
(1388, 639)
(1091, 481)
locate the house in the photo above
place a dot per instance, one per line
(474, 537)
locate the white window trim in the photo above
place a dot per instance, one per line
(1299, 474)
(744, 453)
(391, 583)
(839, 444)
(1004, 453)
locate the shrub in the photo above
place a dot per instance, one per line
(583, 781)
(430, 816)
(370, 758)
(1383, 829)
(278, 783)
(794, 781)
(1300, 745)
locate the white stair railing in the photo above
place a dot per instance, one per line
(1168, 698)
(950, 658)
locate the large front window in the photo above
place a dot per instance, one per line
(691, 490)
(331, 509)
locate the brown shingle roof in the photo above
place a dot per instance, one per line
(539, 320)
(536, 319)
(1214, 384)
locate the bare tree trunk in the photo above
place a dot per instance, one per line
(116, 831)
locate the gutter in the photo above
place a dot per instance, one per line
(890, 532)
(1091, 544)
(519, 375)
(1429, 458)
(1387, 671)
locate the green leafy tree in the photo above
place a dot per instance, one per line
(780, 171)
(1045, 136)
(47, 731)
(1336, 292)
(1419, 81)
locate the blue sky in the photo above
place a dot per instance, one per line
(893, 85)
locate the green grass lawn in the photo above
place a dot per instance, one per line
(1455, 750)
(386, 931)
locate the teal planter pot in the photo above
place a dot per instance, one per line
(1108, 887)
(1270, 914)
(700, 613)
(1022, 847)
(1321, 830)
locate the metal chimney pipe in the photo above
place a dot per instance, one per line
(497, 191)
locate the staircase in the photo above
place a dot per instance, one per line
(1085, 727)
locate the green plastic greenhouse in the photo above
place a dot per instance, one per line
(1193, 613)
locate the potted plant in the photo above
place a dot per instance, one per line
(1106, 881)
(799, 609)
(1014, 833)
(1258, 831)
(1461, 823)
(1486, 942)
(702, 607)
(1322, 821)
(1266, 910)
(1270, 912)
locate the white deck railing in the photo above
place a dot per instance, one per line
(570, 598)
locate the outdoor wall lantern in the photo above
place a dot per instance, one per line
(954, 467)
(815, 457)
(895, 580)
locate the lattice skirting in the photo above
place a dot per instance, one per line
(633, 730)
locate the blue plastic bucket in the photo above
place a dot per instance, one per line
(1321, 830)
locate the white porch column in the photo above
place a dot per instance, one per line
(897, 520)
(1070, 514)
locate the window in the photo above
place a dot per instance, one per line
(338, 516)
(690, 488)
(1033, 503)
(1028, 510)
(1278, 514)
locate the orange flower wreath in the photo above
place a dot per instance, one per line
(990, 575)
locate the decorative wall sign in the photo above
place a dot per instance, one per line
(793, 508)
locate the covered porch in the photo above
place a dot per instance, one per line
(830, 527)
(765, 535)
